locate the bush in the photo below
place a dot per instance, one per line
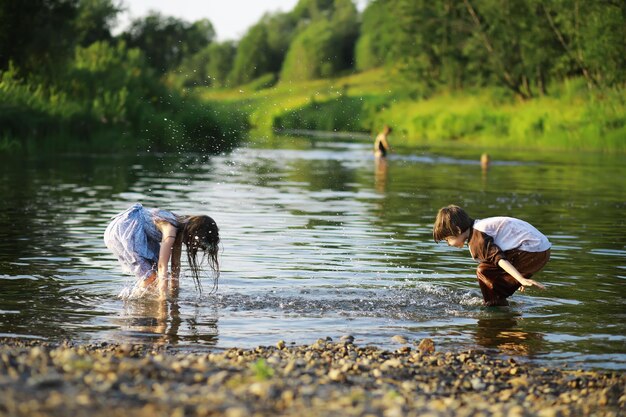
(261, 83)
(323, 49)
(109, 92)
(341, 114)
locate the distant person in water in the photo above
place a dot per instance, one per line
(509, 250)
(381, 145)
(146, 240)
(485, 160)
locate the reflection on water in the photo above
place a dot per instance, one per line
(152, 317)
(160, 322)
(504, 332)
(382, 165)
(319, 239)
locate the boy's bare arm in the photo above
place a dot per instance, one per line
(508, 267)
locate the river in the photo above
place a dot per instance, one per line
(319, 240)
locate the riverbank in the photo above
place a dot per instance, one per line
(106, 100)
(569, 117)
(325, 378)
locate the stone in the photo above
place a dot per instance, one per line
(336, 375)
(325, 379)
(426, 346)
(399, 339)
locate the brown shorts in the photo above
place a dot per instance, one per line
(496, 284)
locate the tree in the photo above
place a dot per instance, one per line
(309, 10)
(253, 57)
(345, 18)
(102, 76)
(209, 67)
(311, 54)
(325, 46)
(94, 20)
(263, 48)
(167, 40)
(601, 41)
(37, 35)
(506, 32)
(429, 43)
(378, 36)
(197, 36)
(520, 44)
(280, 29)
(220, 61)
(591, 36)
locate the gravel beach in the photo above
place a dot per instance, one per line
(323, 379)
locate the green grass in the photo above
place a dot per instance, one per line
(262, 371)
(570, 117)
(264, 107)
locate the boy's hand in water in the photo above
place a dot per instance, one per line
(530, 283)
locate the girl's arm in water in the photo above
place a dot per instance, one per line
(165, 253)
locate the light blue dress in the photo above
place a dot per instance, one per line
(135, 239)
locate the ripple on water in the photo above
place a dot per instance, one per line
(317, 240)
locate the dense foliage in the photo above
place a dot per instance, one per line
(167, 40)
(430, 46)
(73, 76)
(572, 117)
(208, 68)
(378, 37)
(325, 45)
(71, 84)
(523, 45)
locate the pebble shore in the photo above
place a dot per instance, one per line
(326, 378)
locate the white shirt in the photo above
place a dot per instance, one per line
(511, 233)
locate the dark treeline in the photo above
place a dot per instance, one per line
(64, 73)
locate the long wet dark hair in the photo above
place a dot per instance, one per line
(201, 237)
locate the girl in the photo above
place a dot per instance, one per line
(144, 240)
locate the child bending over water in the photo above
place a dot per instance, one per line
(509, 250)
(145, 240)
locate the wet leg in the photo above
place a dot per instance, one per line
(495, 284)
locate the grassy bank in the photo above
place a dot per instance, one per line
(571, 117)
(106, 99)
(35, 118)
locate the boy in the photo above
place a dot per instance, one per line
(381, 144)
(509, 250)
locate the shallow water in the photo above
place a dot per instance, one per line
(318, 240)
